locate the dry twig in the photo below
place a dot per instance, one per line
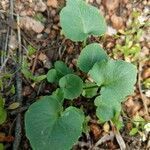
(18, 128)
(143, 97)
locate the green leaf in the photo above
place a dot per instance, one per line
(60, 70)
(59, 94)
(79, 20)
(133, 131)
(39, 78)
(47, 127)
(90, 55)
(72, 86)
(116, 78)
(1, 146)
(106, 110)
(90, 90)
(31, 50)
(52, 76)
(3, 113)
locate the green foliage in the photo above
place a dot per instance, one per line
(89, 90)
(31, 50)
(79, 20)
(72, 86)
(91, 53)
(138, 125)
(60, 70)
(147, 83)
(29, 75)
(3, 113)
(131, 48)
(40, 17)
(52, 128)
(1, 146)
(116, 79)
(47, 125)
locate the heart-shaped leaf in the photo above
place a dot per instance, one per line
(79, 20)
(60, 70)
(52, 76)
(90, 55)
(72, 86)
(106, 110)
(47, 127)
(117, 79)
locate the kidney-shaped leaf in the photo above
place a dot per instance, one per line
(72, 86)
(116, 77)
(60, 70)
(90, 55)
(106, 110)
(48, 128)
(78, 20)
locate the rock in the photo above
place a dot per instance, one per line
(30, 24)
(146, 73)
(98, 1)
(111, 31)
(40, 6)
(111, 5)
(117, 22)
(52, 3)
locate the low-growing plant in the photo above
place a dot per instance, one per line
(48, 125)
(130, 48)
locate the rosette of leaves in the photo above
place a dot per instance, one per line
(48, 126)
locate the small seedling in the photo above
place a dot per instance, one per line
(48, 125)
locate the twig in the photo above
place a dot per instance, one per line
(18, 128)
(3, 65)
(143, 97)
(35, 61)
(105, 138)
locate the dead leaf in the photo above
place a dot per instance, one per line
(146, 73)
(42, 57)
(52, 3)
(106, 127)
(27, 90)
(95, 130)
(30, 24)
(117, 22)
(13, 105)
(4, 138)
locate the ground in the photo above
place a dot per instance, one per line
(31, 41)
